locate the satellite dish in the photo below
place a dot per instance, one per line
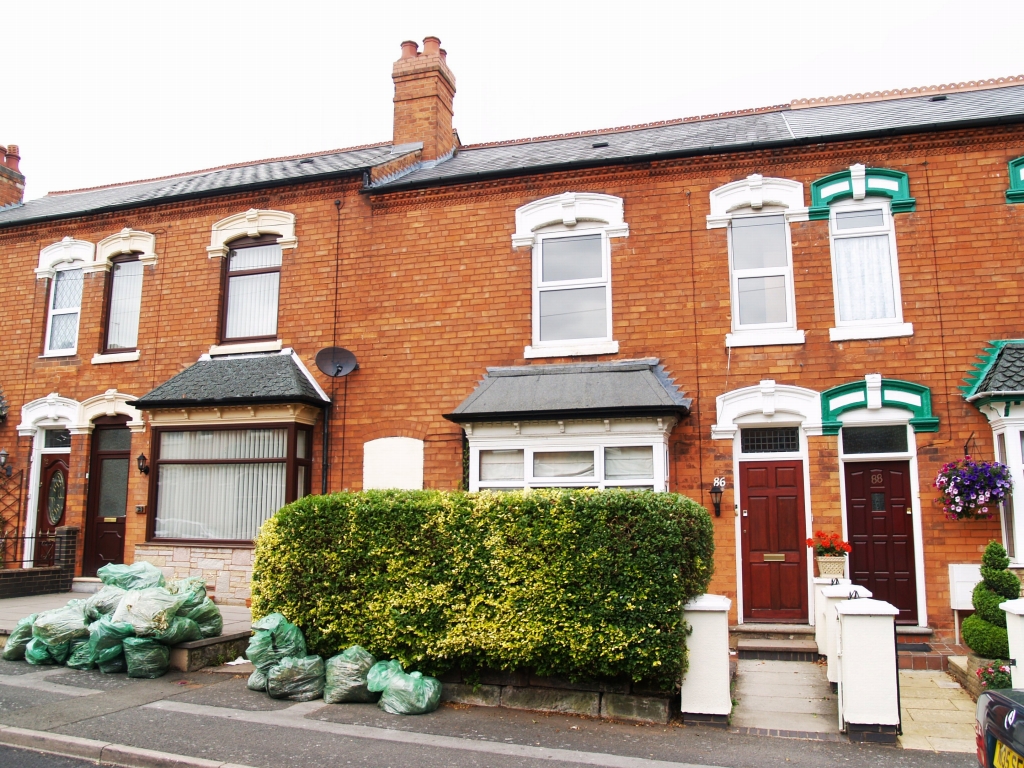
(336, 361)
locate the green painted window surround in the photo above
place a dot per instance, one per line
(1015, 194)
(877, 181)
(915, 398)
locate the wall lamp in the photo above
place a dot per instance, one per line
(717, 489)
(7, 468)
(143, 464)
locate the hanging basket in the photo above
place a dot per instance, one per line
(831, 566)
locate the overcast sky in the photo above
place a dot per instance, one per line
(103, 92)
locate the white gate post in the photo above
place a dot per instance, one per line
(1015, 630)
(832, 596)
(705, 689)
(820, 583)
(869, 707)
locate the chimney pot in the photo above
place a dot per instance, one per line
(410, 49)
(12, 157)
(444, 54)
(431, 45)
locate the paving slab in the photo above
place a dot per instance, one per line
(937, 713)
(784, 695)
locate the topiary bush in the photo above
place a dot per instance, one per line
(984, 631)
(571, 583)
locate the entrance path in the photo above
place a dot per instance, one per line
(937, 713)
(237, 618)
(789, 696)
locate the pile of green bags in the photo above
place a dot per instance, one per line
(283, 669)
(128, 625)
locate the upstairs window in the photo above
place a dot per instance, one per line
(124, 301)
(573, 293)
(762, 273)
(865, 271)
(251, 284)
(65, 307)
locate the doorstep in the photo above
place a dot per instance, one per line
(86, 584)
(768, 649)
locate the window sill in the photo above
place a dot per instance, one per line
(887, 331)
(763, 338)
(570, 349)
(62, 353)
(245, 348)
(115, 357)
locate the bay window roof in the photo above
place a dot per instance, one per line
(588, 390)
(241, 380)
(1000, 374)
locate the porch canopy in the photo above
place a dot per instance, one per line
(627, 388)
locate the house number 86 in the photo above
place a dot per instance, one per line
(718, 482)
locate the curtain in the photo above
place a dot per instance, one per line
(125, 302)
(864, 278)
(501, 465)
(563, 464)
(217, 500)
(633, 462)
(252, 305)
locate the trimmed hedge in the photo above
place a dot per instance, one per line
(569, 583)
(985, 631)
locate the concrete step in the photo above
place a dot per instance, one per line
(86, 584)
(777, 649)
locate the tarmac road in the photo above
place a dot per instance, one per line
(213, 716)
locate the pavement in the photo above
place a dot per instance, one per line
(937, 713)
(788, 696)
(209, 718)
(237, 618)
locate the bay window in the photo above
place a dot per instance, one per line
(219, 483)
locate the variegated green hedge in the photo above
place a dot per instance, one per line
(572, 583)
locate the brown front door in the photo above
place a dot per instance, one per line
(880, 525)
(773, 540)
(108, 496)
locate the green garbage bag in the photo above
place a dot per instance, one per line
(103, 602)
(346, 676)
(411, 694)
(61, 625)
(114, 665)
(257, 681)
(140, 575)
(19, 639)
(181, 630)
(39, 652)
(193, 589)
(297, 679)
(82, 656)
(381, 673)
(207, 616)
(105, 639)
(275, 638)
(146, 657)
(149, 611)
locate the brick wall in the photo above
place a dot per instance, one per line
(25, 582)
(431, 292)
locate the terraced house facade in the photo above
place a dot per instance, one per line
(787, 299)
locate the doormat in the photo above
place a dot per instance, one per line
(916, 647)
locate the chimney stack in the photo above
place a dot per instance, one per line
(424, 91)
(12, 182)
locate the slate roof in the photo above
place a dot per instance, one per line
(758, 129)
(216, 181)
(589, 390)
(1002, 372)
(833, 122)
(273, 378)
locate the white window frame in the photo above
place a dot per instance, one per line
(1007, 419)
(765, 331)
(845, 330)
(50, 312)
(540, 286)
(568, 214)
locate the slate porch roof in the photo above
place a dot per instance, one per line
(244, 380)
(999, 374)
(588, 390)
(757, 129)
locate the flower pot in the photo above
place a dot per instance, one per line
(831, 566)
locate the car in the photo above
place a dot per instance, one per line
(999, 728)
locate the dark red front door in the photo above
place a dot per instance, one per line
(773, 537)
(53, 493)
(108, 496)
(881, 531)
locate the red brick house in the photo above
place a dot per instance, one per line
(788, 298)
